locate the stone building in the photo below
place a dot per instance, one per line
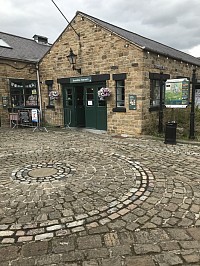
(130, 65)
(89, 55)
(19, 58)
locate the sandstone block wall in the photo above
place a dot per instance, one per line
(98, 52)
(102, 52)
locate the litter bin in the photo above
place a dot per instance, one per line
(170, 133)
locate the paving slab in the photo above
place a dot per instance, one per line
(77, 197)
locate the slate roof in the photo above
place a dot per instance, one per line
(21, 49)
(145, 43)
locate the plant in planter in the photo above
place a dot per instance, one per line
(54, 95)
(104, 93)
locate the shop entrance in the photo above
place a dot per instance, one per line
(82, 106)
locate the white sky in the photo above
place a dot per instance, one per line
(172, 22)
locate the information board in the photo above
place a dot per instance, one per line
(132, 102)
(177, 93)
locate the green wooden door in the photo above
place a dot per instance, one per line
(83, 108)
(73, 103)
(95, 109)
(69, 106)
(79, 106)
(101, 112)
(90, 109)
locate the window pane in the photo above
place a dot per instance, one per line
(101, 102)
(90, 96)
(23, 93)
(120, 93)
(79, 99)
(30, 93)
(16, 93)
(154, 92)
(51, 101)
(69, 97)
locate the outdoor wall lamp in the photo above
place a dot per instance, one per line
(72, 59)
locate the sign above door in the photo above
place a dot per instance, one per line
(81, 79)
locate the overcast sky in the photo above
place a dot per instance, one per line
(172, 22)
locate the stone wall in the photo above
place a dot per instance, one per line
(99, 52)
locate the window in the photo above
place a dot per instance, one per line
(4, 44)
(51, 100)
(120, 93)
(90, 96)
(69, 97)
(154, 92)
(23, 93)
(101, 102)
(155, 79)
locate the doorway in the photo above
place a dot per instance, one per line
(82, 106)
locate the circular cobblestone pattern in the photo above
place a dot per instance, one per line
(44, 172)
(80, 191)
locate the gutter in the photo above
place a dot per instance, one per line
(39, 89)
(19, 60)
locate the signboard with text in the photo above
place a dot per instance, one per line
(81, 79)
(177, 93)
(34, 113)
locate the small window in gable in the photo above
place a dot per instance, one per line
(4, 44)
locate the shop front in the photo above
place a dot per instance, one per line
(23, 93)
(23, 99)
(81, 102)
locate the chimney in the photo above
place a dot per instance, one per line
(40, 39)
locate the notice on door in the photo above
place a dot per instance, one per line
(90, 103)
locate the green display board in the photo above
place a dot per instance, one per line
(132, 102)
(177, 93)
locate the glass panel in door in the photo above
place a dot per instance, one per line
(90, 108)
(80, 108)
(69, 109)
(101, 112)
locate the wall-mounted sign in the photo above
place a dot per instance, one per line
(132, 102)
(81, 79)
(5, 101)
(177, 93)
(161, 67)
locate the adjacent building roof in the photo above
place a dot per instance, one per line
(145, 43)
(22, 49)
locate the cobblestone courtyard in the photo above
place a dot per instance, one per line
(72, 197)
